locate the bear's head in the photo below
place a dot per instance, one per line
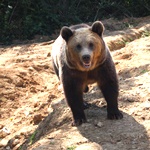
(85, 48)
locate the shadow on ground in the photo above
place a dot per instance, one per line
(122, 134)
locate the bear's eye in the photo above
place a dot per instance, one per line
(91, 45)
(78, 47)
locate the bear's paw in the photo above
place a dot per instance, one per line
(78, 122)
(115, 115)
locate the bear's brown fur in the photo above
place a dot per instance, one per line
(81, 57)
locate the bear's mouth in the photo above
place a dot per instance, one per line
(87, 64)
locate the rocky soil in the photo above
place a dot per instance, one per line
(34, 114)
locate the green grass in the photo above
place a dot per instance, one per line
(71, 148)
(143, 71)
(32, 137)
(146, 33)
(20, 148)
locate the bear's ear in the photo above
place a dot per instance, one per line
(66, 33)
(98, 27)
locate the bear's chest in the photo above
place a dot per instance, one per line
(88, 77)
(92, 77)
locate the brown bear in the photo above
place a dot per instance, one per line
(81, 57)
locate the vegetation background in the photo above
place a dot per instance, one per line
(22, 19)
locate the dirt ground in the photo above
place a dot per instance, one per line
(34, 114)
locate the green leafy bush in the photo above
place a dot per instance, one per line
(22, 19)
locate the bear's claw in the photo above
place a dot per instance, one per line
(115, 116)
(78, 122)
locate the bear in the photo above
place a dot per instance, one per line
(81, 57)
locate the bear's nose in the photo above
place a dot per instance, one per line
(86, 58)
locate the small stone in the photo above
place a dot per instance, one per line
(30, 69)
(89, 146)
(2, 86)
(8, 148)
(130, 100)
(3, 134)
(1, 126)
(36, 104)
(15, 142)
(17, 137)
(33, 90)
(27, 113)
(60, 88)
(85, 125)
(51, 97)
(6, 130)
(49, 54)
(100, 124)
(20, 83)
(37, 118)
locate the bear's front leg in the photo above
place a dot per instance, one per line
(74, 96)
(108, 84)
(110, 94)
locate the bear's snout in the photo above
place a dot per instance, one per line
(86, 58)
(86, 61)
